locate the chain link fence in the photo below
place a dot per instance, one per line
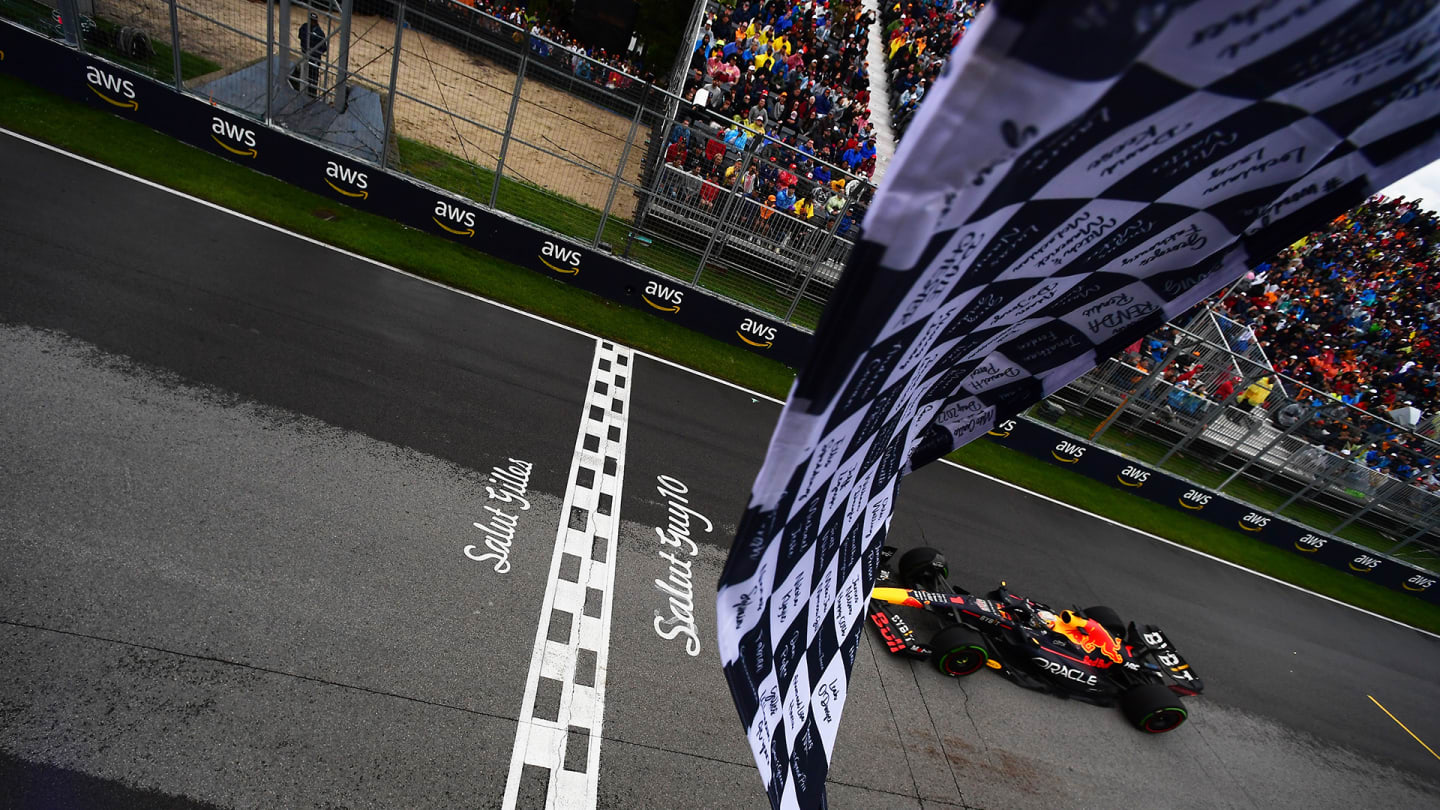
(474, 105)
(1183, 399)
(470, 103)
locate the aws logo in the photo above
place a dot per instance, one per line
(753, 332)
(1364, 564)
(1067, 452)
(1133, 476)
(1195, 499)
(565, 256)
(111, 88)
(454, 219)
(1254, 522)
(237, 139)
(1419, 582)
(358, 184)
(1310, 543)
(1003, 429)
(662, 297)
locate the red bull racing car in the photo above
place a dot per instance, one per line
(1088, 654)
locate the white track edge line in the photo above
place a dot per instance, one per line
(300, 236)
(671, 363)
(376, 262)
(1184, 547)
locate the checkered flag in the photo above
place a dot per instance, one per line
(1080, 173)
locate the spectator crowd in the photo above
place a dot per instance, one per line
(779, 95)
(1348, 316)
(556, 44)
(919, 36)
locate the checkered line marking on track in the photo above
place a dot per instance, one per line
(559, 729)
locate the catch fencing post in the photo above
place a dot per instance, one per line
(70, 23)
(510, 120)
(394, 84)
(342, 69)
(175, 44)
(624, 159)
(269, 58)
(819, 257)
(720, 220)
(282, 25)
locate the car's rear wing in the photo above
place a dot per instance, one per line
(1149, 645)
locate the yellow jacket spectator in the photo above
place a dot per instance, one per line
(1255, 395)
(804, 209)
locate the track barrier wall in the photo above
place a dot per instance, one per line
(276, 152)
(1097, 463)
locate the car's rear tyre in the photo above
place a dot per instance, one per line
(1153, 708)
(1108, 619)
(958, 651)
(916, 563)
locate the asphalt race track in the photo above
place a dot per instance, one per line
(239, 473)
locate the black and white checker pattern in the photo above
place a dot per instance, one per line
(1081, 173)
(559, 730)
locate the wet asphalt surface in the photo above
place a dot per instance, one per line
(238, 472)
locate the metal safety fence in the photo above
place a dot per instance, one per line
(470, 103)
(481, 108)
(1185, 400)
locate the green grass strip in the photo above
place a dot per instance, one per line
(141, 151)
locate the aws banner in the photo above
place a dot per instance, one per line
(1080, 173)
(341, 177)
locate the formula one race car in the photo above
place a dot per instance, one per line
(1088, 654)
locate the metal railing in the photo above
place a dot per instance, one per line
(478, 107)
(1227, 421)
(510, 120)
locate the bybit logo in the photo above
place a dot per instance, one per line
(111, 88)
(565, 256)
(662, 297)
(233, 138)
(357, 180)
(454, 219)
(752, 332)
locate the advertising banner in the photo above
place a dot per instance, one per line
(312, 166)
(1198, 503)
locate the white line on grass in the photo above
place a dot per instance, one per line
(737, 387)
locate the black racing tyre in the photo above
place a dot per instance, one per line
(916, 562)
(1108, 619)
(1153, 708)
(958, 651)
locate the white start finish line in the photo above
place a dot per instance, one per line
(557, 737)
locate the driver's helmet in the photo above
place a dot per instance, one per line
(1046, 617)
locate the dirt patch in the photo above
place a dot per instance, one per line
(449, 98)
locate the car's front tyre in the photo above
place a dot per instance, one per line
(958, 651)
(915, 566)
(1153, 708)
